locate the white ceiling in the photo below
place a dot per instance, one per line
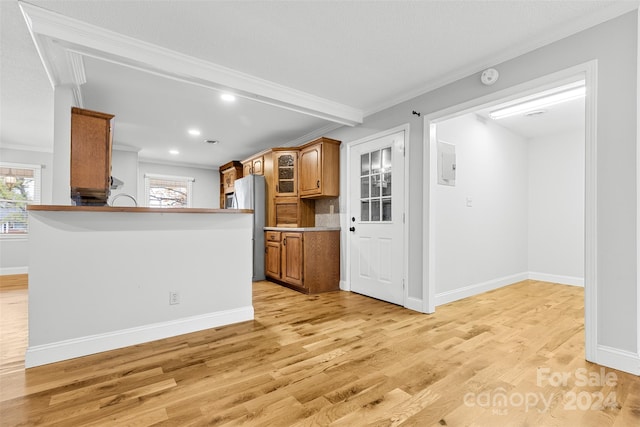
(365, 55)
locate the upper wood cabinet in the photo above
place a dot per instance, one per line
(229, 172)
(319, 169)
(91, 140)
(286, 172)
(253, 166)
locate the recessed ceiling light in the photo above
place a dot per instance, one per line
(194, 132)
(228, 97)
(211, 141)
(174, 152)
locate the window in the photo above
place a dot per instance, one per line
(164, 191)
(375, 186)
(19, 187)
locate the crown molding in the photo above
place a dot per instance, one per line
(53, 32)
(315, 134)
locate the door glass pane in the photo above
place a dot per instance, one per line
(364, 211)
(364, 187)
(285, 187)
(386, 184)
(375, 162)
(386, 209)
(386, 158)
(285, 173)
(375, 210)
(364, 164)
(285, 160)
(375, 186)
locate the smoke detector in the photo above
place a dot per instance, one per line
(489, 76)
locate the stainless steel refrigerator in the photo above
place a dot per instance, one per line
(249, 193)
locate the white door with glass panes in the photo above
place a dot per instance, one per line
(376, 220)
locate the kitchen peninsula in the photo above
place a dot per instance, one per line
(102, 278)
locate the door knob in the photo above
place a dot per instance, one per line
(352, 229)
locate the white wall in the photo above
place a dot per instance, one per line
(206, 187)
(556, 207)
(614, 44)
(124, 166)
(482, 246)
(14, 257)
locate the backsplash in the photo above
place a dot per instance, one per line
(324, 215)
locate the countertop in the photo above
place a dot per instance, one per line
(307, 229)
(51, 208)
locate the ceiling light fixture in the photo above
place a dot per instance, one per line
(194, 132)
(211, 141)
(174, 152)
(228, 97)
(561, 94)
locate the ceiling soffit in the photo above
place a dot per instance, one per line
(62, 42)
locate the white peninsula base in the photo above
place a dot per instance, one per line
(101, 278)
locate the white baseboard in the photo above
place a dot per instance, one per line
(344, 285)
(478, 288)
(6, 271)
(554, 278)
(414, 304)
(618, 359)
(77, 347)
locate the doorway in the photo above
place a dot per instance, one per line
(585, 71)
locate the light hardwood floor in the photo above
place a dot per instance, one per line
(336, 359)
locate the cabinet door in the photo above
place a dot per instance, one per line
(272, 260)
(247, 168)
(286, 174)
(229, 180)
(90, 150)
(292, 258)
(310, 170)
(258, 166)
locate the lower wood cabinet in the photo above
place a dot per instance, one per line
(307, 261)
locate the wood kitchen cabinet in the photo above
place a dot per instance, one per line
(272, 251)
(253, 166)
(294, 212)
(307, 261)
(91, 141)
(229, 172)
(286, 172)
(291, 256)
(319, 169)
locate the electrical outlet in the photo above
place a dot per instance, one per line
(174, 298)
